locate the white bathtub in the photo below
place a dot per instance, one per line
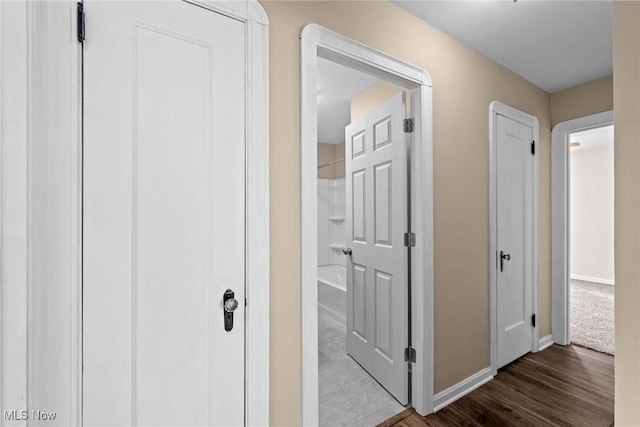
(332, 291)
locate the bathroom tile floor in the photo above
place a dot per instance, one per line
(349, 396)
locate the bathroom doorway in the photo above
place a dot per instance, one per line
(346, 215)
(361, 375)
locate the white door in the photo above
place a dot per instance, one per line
(164, 208)
(377, 314)
(514, 240)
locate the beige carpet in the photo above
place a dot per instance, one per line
(592, 316)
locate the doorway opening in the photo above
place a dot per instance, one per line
(353, 386)
(591, 242)
(357, 177)
(581, 192)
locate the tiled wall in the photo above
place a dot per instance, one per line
(331, 221)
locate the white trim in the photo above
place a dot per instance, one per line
(497, 108)
(318, 41)
(464, 387)
(308, 231)
(54, 238)
(258, 240)
(76, 202)
(422, 279)
(545, 342)
(13, 207)
(560, 219)
(345, 51)
(593, 279)
(249, 11)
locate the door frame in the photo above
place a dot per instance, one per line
(560, 218)
(317, 41)
(48, 35)
(496, 109)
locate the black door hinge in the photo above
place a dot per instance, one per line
(409, 125)
(409, 239)
(533, 148)
(410, 355)
(533, 320)
(80, 21)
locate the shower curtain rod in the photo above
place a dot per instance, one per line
(331, 163)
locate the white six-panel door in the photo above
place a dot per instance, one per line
(164, 215)
(377, 315)
(514, 240)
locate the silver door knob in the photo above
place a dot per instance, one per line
(347, 251)
(230, 305)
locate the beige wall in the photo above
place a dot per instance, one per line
(583, 100)
(340, 153)
(464, 84)
(369, 99)
(626, 67)
(327, 153)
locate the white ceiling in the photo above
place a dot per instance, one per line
(592, 139)
(337, 85)
(553, 44)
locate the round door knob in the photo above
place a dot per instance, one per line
(230, 305)
(347, 251)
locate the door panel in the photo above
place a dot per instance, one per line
(357, 144)
(514, 198)
(359, 203)
(383, 185)
(359, 302)
(384, 315)
(377, 315)
(163, 215)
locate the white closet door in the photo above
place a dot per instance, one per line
(164, 215)
(515, 240)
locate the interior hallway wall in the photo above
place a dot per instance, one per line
(582, 100)
(464, 84)
(626, 69)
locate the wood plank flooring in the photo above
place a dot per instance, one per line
(559, 386)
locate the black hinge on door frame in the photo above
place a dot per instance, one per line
(533, 148)
(80, 21)
(533, 320)
(409, 125)
(409, 239)
(410, 354)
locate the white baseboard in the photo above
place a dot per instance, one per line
(545, 342)
(466, 386)
(593, 279)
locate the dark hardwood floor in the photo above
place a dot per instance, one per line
(559, 386)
